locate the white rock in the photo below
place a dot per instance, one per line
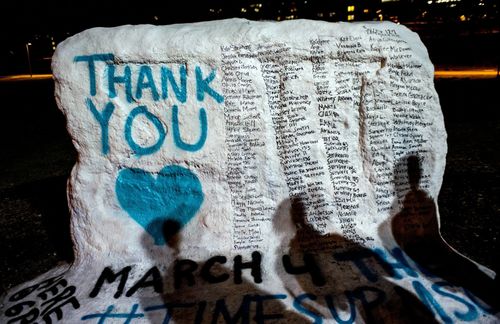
(202, 147)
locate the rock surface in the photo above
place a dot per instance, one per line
(236, 170)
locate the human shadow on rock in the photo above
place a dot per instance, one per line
(210, 290)
(416, 230)
(342, 279)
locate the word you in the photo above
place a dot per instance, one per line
(44, 300)
(135, 81)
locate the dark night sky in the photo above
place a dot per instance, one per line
(22, 19)
(43, 22)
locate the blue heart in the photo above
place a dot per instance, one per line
(172, 198)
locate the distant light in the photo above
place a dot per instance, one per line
(155, 18)
(463, 18)
(366, 11)
(350, 8)
(350, 17)
(320, 14)
(243, 9)
(256, 9)
(29, 44)
(53, 48)
(472, 73)
(380, 17)
(331, 14)
(53, 43)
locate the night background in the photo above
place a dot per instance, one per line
(462, 37)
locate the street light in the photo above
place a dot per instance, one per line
(29, 59)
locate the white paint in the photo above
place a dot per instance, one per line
(306, 152)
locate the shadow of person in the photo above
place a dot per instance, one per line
(332, 275)
(208, 290)
(416, 230)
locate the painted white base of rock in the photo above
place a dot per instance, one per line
(235, 171)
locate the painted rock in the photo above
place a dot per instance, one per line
(236, 171)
